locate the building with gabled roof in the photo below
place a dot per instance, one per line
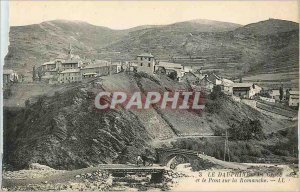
(190, 78)
(170, 67)
(294, 98)
(206, 84)
(244, 90)
(215, 79)
(69, 76)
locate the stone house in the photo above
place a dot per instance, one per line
(294, 98)
(69, 76)
(145, 62)
(244, 90)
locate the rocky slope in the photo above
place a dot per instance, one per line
(66, 131)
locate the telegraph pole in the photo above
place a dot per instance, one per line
(226, 147)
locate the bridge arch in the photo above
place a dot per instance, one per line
(165, 155)
(174, 159)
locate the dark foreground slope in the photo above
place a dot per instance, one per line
(65, 130)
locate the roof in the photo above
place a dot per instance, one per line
(48, 77)
(198, 71)
(71, 71)
(97, 65)
(213, 77)
(49, 63)
(7, 71)
(242, 85)
(89, 73)
(189, 73)
(227, 82)
(294, 92)
(169, 65)
(145, 55)
(275, 92)
(206, 79)
(71, 61)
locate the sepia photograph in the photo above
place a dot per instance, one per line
(150, 95)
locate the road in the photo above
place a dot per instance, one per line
(225, 164)
(159, 142)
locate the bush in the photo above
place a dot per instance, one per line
(216, 93)
(247, 129)
(213, 106)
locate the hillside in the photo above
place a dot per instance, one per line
(34, 44)
(65, 131)
(268, 27)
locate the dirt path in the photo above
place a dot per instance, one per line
(225, 164)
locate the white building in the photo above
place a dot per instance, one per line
(100, 68)
(275, 94)
(69, 76)
(9, 76)
(245, 90)
(294, 98)
(227, 86)
(170, 67)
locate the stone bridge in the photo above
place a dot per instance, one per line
(165, 155)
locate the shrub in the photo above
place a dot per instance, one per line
(216, 93)
(247, 129)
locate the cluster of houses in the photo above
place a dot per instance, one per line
(194, 76)
(70, 68)
(206, 81)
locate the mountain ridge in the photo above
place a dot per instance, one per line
(225, 45)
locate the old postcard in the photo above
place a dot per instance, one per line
(150, 95)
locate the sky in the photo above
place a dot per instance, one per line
(123, 15)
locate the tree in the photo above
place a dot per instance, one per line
(216, 92)
(27, 103)
(247, 129)
(173, 75)
(33, 73)
(281, 93)
(287, 94)
(240, 79)
(22, 77)
(40, 74)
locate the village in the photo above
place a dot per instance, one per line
(70, 68)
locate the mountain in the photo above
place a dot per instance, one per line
(269, 46)
(268, 27)
(34, 44)
(232, 50)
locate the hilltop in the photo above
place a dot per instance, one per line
(268, 27)
(64, 130)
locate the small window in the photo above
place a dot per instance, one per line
(141, 64)
(149, 64)
(149, 59)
